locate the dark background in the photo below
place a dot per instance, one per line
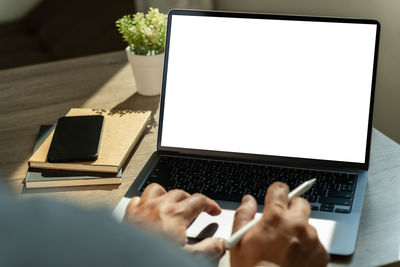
(61, 29)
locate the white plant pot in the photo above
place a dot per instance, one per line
(147, 71)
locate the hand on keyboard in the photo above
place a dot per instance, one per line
(230, 181)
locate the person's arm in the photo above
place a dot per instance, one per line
(283, 236)
(36, 232)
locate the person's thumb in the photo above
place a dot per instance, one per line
(245, 212)
(211, 247)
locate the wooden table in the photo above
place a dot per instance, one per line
(35, 95)
(40, 94)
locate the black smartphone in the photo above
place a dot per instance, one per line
(76, 138)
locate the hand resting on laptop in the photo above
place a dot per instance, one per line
(283, 236)
(171, 213)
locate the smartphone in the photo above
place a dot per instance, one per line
(76, 138)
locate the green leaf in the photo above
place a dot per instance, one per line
(144, 33)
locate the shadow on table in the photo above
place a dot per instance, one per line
(139, 102)
(341, 259)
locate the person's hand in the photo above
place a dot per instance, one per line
(283, 236)
(171, 213)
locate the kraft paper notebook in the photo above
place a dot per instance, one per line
(37, 178)
(121, 131)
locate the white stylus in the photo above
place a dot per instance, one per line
(237, 236)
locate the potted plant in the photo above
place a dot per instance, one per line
(145, 35)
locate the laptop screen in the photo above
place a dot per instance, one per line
(275, 87)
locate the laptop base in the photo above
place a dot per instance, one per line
(337, 232)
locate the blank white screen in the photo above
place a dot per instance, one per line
(272, 87)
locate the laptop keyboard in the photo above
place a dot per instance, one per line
(230, 181)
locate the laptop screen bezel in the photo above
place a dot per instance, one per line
(256, 157)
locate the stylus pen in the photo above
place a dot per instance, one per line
(237, 236)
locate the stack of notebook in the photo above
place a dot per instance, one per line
(121, 131)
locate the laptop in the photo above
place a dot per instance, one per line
(250, 99)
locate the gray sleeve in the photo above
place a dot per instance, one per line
(36, 232)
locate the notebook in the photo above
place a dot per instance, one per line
(38, 178)
(121, 131)
(250, 99)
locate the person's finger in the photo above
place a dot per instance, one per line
(197, 203)
(277, 196)
(212, 247)
(130, 208)
(176, 195)
(152, 191)
(245, 212)
(318, 256)
(301, 207)
(322, 256)
(134, 201)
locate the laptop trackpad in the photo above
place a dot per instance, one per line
(221, 226)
